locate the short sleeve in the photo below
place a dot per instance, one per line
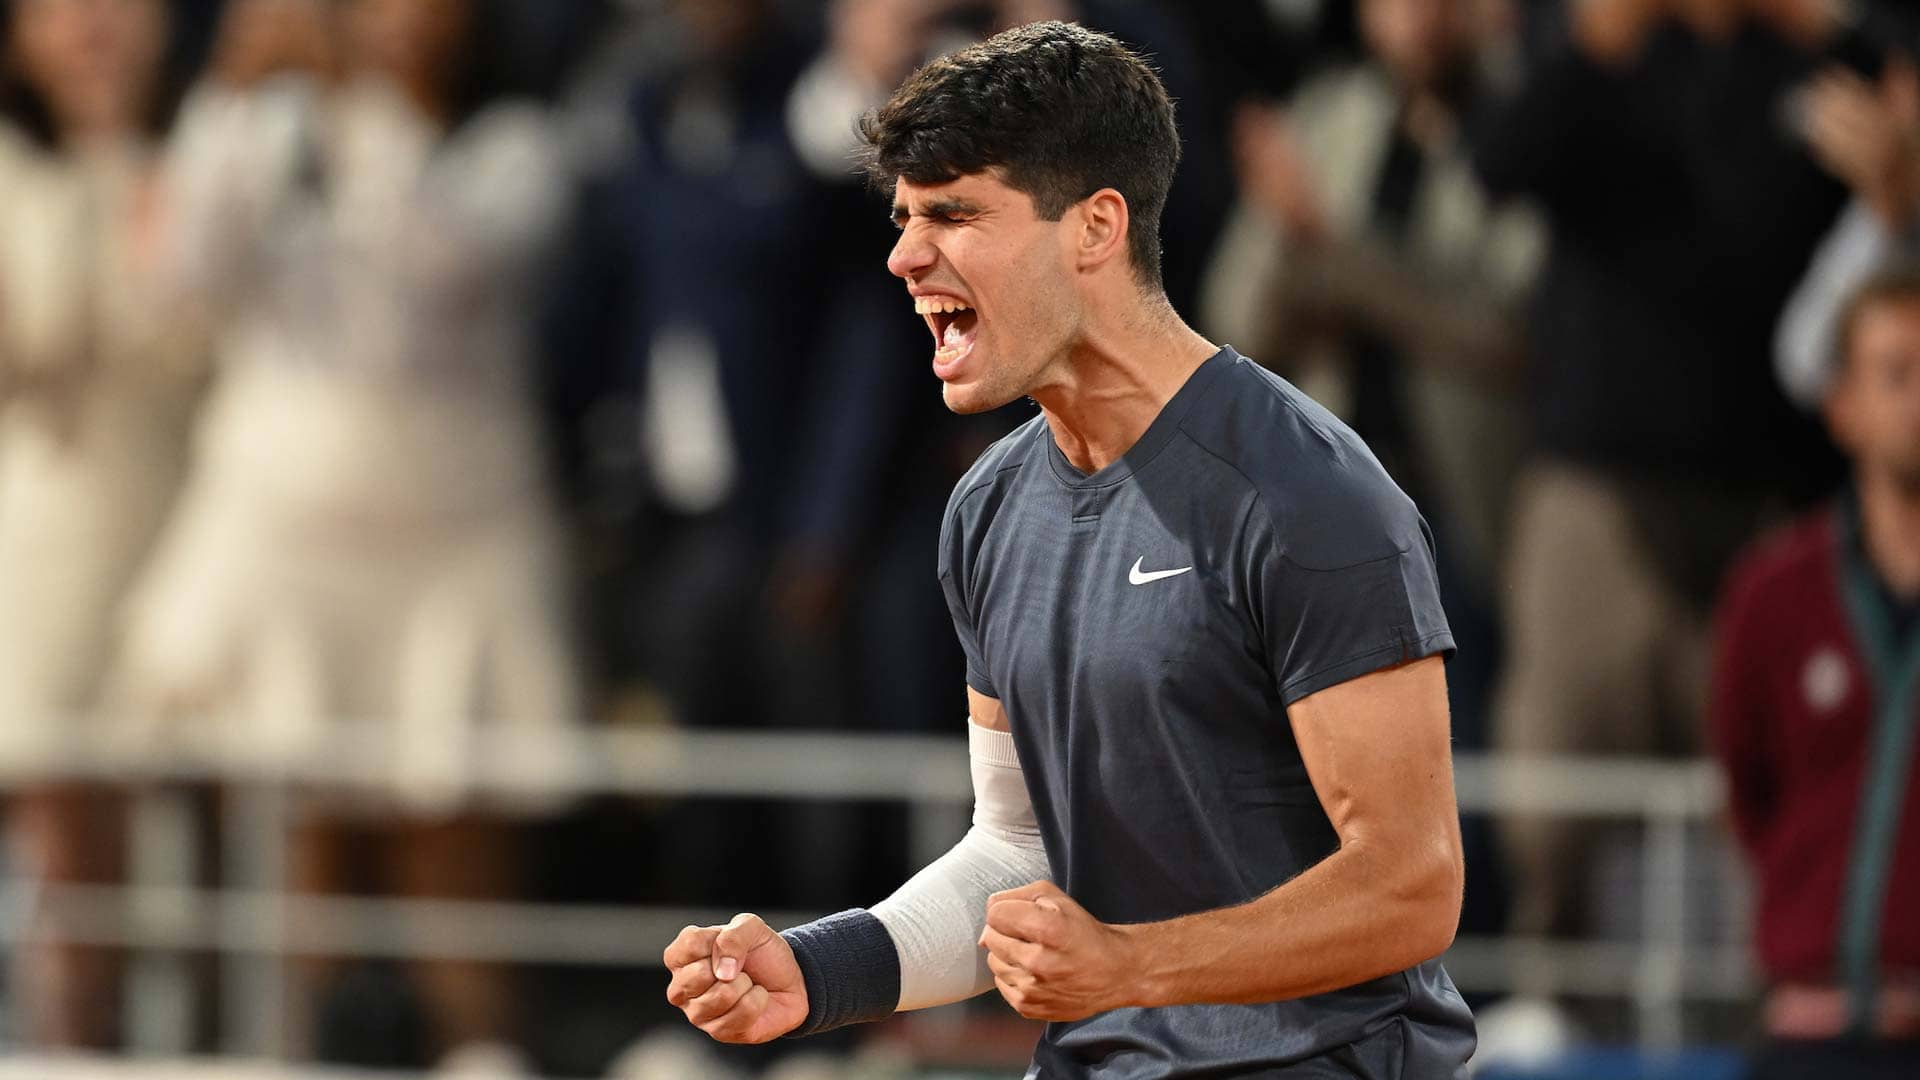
(955, 573)
(1326, 625)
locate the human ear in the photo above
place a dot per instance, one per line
(1104, 218)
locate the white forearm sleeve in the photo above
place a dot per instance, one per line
(936, 918)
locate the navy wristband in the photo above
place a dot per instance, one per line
(851, 970)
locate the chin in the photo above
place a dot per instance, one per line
(967, 398)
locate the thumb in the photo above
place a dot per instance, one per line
(744, 934)
(1030, 891)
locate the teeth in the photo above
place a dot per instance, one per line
(938, 305)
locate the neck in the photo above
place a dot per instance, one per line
(1115, 380)
(1890, 531)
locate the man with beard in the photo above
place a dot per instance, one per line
(1816, 706)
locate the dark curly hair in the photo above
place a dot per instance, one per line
(1061, 110)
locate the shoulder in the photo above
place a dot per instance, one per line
(1779, 566)
(976, 499)
(511, 122)
(994, 469)
(509, 135)
(17, 149)
(506, 168)
(1326, 497)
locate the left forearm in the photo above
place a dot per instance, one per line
(1357, 915)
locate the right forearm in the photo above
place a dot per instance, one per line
(743, 983)
(916, 949)
(933, 922)
(935, 919)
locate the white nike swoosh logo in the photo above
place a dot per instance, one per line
(1138, 577)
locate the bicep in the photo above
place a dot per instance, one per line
(986, 711)
(1378, 749)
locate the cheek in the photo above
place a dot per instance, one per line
(1040, 284)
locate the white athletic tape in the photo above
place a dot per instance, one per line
(935, 919)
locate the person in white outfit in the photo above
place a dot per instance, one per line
(367, 535)
(97, 384)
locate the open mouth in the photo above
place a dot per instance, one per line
(955, 325)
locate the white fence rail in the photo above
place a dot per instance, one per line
(254, 925)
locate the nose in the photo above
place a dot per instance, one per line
(911, 254)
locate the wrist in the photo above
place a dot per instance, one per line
(849, 970)
(1145, 982)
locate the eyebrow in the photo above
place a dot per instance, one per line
(938, 208)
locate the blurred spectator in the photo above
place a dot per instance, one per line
(367, 533)
(1868, 136)
(1816, 718)
(1265, 48)
(1368, 262)
(97, 383)
(1682, 210)
(738, 300)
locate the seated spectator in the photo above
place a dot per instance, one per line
(1815, 710)
(367, 534)
(98, 378)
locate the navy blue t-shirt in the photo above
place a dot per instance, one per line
(1146, 627)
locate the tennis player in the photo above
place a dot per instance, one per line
(1214, 831)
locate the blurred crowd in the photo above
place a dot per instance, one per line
(439, 363)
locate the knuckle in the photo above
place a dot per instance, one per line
(715, 1004)
(715, 1030)
(729, 1026)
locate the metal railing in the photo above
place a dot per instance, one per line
(255, 926)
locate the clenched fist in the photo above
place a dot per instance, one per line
(739, 983)
(1052, 960)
